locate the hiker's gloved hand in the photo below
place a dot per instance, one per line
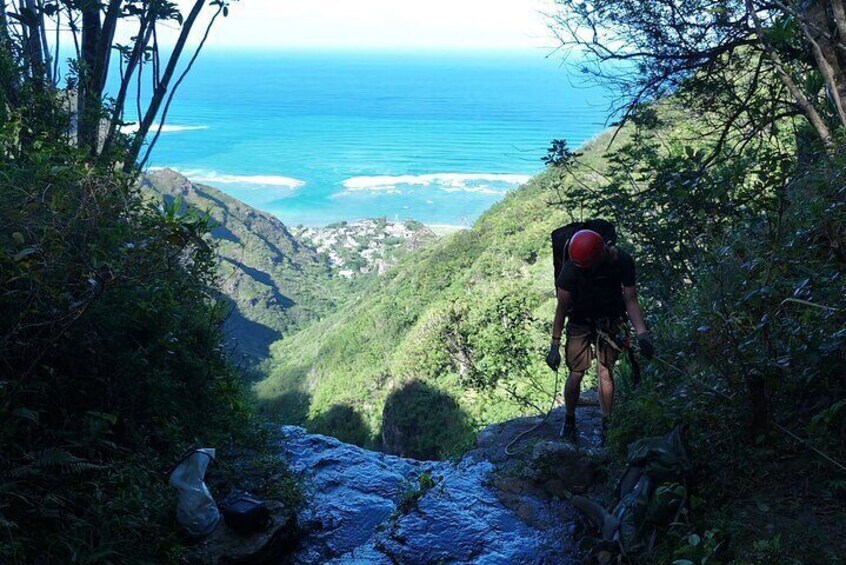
(644, 341)
(553, 358)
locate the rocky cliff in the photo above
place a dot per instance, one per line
(498, 504)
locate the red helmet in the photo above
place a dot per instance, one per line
(586, 248)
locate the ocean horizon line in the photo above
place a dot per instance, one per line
(545, 52)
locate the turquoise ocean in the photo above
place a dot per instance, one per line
(316, 138)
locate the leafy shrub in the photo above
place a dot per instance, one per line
(111, 357)
(761, 330)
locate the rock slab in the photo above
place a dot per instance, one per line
(369, 507)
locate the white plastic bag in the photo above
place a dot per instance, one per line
(196, 510)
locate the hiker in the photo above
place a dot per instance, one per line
(595, 284)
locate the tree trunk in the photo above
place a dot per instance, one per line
(104, 46)
(802, 102)
(88, 100)
(838, 14)
(45, 46)
(33, 47)
(10, 85)
(817, 26)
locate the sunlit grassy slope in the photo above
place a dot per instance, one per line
(395, 330)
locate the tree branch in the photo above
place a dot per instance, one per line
(176, 86)
(146, 24)
(159, 94)
(801, 100)
(104, 46)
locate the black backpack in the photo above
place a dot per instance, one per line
(561, 239)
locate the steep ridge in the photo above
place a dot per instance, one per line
(417, 323)
(275, 283)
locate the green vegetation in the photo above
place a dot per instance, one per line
(731, 191)
(278, 280)
(727, 183)
(752, 355)
(728, 187)
(413, 491)
(443, 422)
(112, 363)
(273, 280)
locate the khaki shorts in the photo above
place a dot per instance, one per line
(582, 344)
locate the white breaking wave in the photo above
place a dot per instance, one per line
(448, 182)
(211, 177)
(167, 128)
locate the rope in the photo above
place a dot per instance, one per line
(522, 434)
(807, 444)
(599, 335)
(778, 426)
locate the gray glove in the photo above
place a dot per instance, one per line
(553, 358)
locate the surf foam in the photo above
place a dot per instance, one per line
(167, 128)
(447, 182)
(202, 175)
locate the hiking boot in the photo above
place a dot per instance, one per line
(569, 432)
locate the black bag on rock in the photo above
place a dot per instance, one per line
(244, 514)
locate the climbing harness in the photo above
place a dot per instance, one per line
(623, 347)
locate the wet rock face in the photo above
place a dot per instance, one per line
(369, 507)
(352, 491)
(462, 520)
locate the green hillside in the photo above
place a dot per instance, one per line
(273, 281)
(433, 318)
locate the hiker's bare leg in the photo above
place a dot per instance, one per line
(572, 388)
(606, 389)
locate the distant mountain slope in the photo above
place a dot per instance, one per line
(274, 281)
(280, 279)
(418, 322)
